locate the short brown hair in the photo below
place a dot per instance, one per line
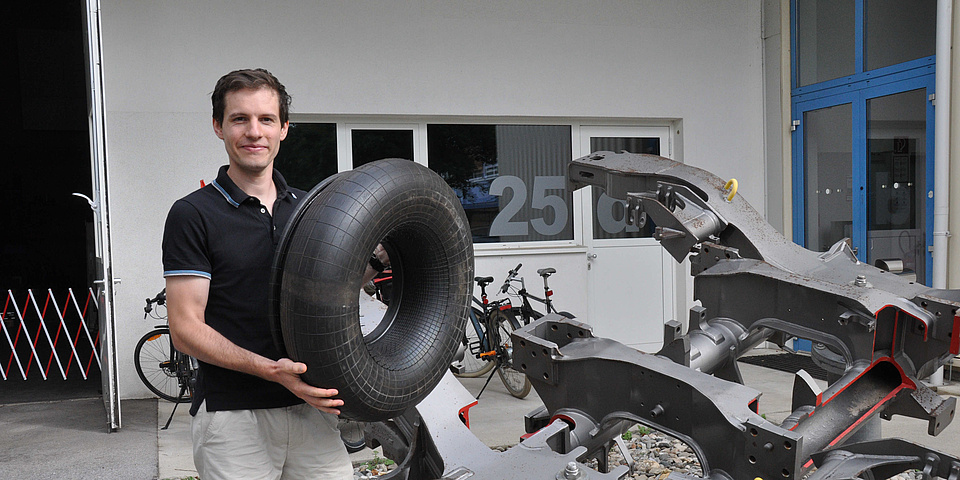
(248, 79)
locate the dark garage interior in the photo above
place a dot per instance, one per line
(47, 243)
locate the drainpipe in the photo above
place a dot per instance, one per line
(941, 176)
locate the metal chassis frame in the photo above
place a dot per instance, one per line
(753, 285)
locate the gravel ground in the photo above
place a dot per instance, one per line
(655, 455)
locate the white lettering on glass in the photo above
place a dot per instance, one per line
(541, 201)
(505, 224)
(606, 217)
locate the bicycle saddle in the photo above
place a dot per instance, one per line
(483, 281)
(545, 272)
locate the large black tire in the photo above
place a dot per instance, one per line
(280, 260)
(317, 272)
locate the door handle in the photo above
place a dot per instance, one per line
(590, 258)
(93, 205)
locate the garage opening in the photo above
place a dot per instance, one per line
(47, 242)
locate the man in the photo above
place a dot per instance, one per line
(253, 415)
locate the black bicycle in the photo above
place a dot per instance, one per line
(487, 340)
(525, 311)
(167, 372)
(488, 343)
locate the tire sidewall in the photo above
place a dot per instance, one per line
(421, 223)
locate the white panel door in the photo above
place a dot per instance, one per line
(630, 278)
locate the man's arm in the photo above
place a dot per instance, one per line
(186, 302)
(381, 254)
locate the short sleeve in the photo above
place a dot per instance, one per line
(185, 242)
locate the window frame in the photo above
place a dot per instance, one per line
(861, 73)
(418, 125)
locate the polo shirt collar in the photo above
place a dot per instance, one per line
(235, 196)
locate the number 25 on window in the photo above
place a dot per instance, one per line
(505, 223)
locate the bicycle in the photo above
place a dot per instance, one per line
(493, 326)
(488, 341)
(525, 310)
(167, 372)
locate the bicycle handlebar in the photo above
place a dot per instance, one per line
(160, 299)
(510, 276)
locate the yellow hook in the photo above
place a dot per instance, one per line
(732, 186)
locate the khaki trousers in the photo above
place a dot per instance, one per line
(297, 442)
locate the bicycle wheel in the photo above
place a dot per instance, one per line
(516, 382)
(351, 433)
(151, 358)
(473, 366)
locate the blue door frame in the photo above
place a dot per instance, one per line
(923, 79)
(856, 90)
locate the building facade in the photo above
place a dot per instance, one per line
(497, 96)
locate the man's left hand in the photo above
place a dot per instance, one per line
(288, 374)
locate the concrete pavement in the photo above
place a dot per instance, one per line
(67, 438)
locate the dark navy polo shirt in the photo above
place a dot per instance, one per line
(221, 233)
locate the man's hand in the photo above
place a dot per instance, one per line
(288, 374)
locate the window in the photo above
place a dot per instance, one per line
(377, 144)
(843, 38)
(308, 154)
(609, 219)
(897, 33)
(511, 179)
(826, 40)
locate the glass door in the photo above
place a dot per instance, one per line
(827, 176)
(862, 80)
(897, 190)
(101, 208)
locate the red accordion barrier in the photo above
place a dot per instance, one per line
(43, 338)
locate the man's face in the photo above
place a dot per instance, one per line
(251, 129)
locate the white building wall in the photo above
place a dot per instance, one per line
(696, 63)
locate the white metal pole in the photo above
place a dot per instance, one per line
(941, 177)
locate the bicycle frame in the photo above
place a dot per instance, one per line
(525, 310)
(485, 333)
(529, 311)
(478, 327)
